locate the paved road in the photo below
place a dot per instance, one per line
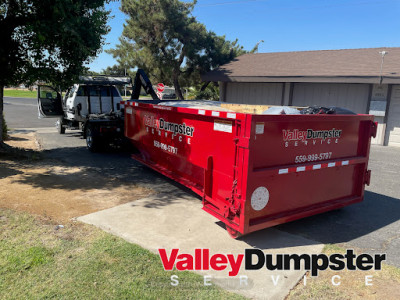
(22, 113)
(373, 225)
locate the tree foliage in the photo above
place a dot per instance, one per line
(115, 70)
(48, 40)
(165, 39)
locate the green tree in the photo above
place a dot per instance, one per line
(165, 39)
(115, 70)
(48, 40)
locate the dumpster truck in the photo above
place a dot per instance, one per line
(94, 105)
(254, 170)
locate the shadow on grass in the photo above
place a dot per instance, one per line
(15, 153)
(6, 171)
(76, 168)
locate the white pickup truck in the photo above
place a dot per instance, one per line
(93, 105)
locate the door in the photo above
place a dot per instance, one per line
(350, 96)
(393, 121)
(49, 102)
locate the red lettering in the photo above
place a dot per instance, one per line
(285, 135)
(185, 263)
(197, 253)
(235, 265)
(206, 255)
(200, 261)
(218, 262)
(168, 264)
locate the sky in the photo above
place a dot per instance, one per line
(286, 25)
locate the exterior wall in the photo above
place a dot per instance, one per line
(253, 93)
(382, 101)
(351, 96)
(287, 93)
(393, 118)
(379, 98)
(222, 91)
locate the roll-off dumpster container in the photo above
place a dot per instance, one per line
(255, 171)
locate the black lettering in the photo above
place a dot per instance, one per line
(363, 260)
(316, 266)
(309, 133)
(180, 129)
(161, 123)
(269, 264)
(336, 262)
(248, 254)
(350, 260)
(297, 260)
(378, 261)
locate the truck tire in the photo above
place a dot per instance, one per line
(60, 125)
(93, 142)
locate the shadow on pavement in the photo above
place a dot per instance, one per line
(348, 223)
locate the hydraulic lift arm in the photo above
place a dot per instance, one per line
(141, 79)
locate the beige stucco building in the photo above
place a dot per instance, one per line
(362, 80)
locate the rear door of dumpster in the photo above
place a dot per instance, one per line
(294, 166)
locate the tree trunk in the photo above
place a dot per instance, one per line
(177, 86)
(1, 114)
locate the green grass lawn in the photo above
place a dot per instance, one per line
(82, 262)
(20, 93)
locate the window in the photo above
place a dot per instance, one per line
(94, 91)
(115, 92)
(47, 93)
(105, 91)
(82, 91)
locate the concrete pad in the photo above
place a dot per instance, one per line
(169, 221)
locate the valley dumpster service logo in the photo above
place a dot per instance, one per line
(174, 128)
(311, 136)
(255, 259)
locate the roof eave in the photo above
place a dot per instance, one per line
(322, 79)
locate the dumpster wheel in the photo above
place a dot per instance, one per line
(233, 232)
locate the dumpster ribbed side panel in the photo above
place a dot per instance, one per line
(184, 143)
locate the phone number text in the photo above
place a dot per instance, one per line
(312, 157)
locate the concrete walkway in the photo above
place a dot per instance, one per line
(167, 221)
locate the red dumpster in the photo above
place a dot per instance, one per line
(255, 171)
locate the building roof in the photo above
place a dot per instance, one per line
(349, 65)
